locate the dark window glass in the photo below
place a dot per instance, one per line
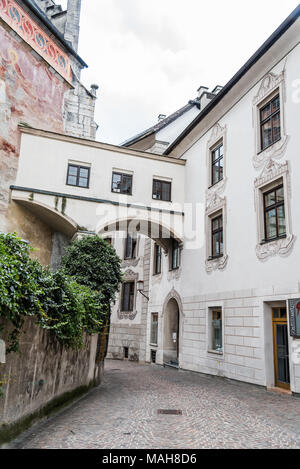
(154, 328)
(217, 340)
(122, 183)
(130, 246)
(161, 190)
(175, 255)
(270, 123)
(217, 236)
(128, 296)
(157, 259)
(78, 176)
(274, 214)
(217, 162)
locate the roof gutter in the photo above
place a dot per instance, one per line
(290, 20)
(53, 30)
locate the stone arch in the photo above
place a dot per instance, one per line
(173, 294)
(56, 220)
(155, 229)
(172, 323)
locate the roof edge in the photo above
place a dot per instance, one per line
(27, 129)
(38, 12)
(275, 36)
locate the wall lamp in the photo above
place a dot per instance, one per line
(140, 288)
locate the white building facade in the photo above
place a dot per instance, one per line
(221, 283)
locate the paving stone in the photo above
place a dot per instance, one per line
(216, 413)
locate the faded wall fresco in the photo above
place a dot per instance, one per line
(29, 93)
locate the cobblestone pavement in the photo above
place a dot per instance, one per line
(216, 413)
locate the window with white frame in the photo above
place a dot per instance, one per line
(217, 163)
(216, 235)
(154, 329)
(215, 330)
(274, 212)
(269, 114)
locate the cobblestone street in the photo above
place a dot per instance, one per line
(216, 413)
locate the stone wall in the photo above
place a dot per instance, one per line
(42, 374)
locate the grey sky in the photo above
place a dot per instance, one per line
(150, 56)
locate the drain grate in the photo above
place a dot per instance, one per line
(169, 412)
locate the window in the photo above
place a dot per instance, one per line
(270, 131)
(122, 183)
(128, 296)
(154, 328)
(217, 164)
(108, 241)
(217, 237)
(216, 330)
(130, 246)
(174, 255)
(157, 259)
(274, 214)
(161, 190)
(78, 176)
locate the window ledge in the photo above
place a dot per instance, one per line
(269, 146)
(153, 345)
(215, 352)
(215, 184)
(267, 241)
(213, 258)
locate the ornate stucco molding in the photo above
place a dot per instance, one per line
(218, 135)
(270, 84)
(215, 204)
(214, 201)
(272, 173)
(216, 264)
(130, 263)
(277, 151)
(281, 247)
(272, 170)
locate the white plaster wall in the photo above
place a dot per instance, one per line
(246, 285)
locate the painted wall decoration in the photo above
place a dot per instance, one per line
(294, 310)
(29, 93)
(24, 26)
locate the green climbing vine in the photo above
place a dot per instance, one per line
(58, 302)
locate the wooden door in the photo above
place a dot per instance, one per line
(281, 348)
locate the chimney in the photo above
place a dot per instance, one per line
(94, 89)
(72, 23)
(161, 117)
(201, 90)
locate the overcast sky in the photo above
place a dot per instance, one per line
(150, 56)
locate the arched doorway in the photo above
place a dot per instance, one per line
(172, 324)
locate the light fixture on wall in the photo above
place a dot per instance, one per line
(140, 288)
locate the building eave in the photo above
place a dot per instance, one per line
(26, 129)
(275, 36)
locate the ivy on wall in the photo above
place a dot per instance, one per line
(61, 303)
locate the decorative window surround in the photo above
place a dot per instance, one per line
(272, 173)
(214, 354)
(218, 135)
(129, 276)
(215, 205)
(271, 85)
